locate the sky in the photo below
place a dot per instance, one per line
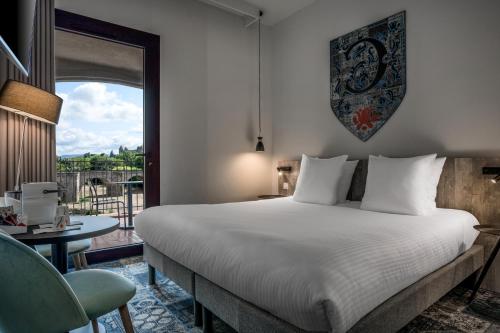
(98, 118)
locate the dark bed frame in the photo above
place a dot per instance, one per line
(456, 190)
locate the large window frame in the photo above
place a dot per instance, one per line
(150, 44)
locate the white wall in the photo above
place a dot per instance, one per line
(208, 97)
(208, 94)
(453, 79)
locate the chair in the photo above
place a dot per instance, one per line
(76, 250)
(97, 201)
(37, 298)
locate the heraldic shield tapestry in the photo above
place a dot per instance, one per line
(368, 75)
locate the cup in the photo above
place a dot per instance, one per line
(62, 218)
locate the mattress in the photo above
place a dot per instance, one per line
(320, 268)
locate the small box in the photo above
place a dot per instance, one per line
(39, 202)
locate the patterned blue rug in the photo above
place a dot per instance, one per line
(165, 307)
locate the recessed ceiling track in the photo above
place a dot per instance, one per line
(238, 7)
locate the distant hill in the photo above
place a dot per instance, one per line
(70, 155)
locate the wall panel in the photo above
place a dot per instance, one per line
(39, 155)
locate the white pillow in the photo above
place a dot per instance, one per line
(433, 180)
(435, 175)
(346, 179)
(319, 179)
(399, 185)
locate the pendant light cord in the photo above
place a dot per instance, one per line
(260, 100)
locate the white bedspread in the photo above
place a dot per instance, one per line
(321, 268)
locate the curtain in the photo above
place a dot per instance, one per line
(39, 157)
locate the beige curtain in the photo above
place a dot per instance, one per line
(39, 158)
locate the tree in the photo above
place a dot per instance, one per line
(99, 162)
(112, 154)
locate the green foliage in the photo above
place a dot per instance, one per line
(125, 160)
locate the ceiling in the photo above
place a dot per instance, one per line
(83, 58)
(277, 10)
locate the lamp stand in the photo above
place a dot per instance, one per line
(19, 159)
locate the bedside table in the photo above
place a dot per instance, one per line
(270, 196)
(490, 229)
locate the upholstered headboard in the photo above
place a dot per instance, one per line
(462, 186)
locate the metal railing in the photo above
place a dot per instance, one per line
(90, 184)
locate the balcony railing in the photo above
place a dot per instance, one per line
(90, 185)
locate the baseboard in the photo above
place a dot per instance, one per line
(114, 253)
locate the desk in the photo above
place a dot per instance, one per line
(130, 211)
(93, 226)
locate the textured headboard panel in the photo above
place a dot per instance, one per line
(462, 186)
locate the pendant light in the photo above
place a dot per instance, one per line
(260, 144)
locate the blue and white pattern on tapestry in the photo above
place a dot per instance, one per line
(368, 75)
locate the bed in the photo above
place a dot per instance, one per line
(267, 266)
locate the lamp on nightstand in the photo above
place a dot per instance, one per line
(492, 171)
(282, 169)
(30, 103)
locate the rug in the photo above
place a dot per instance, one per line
(165, 307)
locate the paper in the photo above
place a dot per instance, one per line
(52, 229)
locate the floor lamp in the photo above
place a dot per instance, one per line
(30, 103)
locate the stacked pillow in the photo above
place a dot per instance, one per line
(324, 181)
(394, 185)
(402, 185)
(318, 180)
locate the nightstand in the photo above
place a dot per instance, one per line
(494, 230)
(270, 196)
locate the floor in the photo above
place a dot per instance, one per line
(116, 238)
(167, 308)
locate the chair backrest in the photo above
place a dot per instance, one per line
(94, 197)
(34, 296)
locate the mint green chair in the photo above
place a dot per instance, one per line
(35, 297)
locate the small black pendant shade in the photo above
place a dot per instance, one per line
(260, 144)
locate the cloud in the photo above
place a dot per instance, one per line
(93, 102)
(79, 141)
(97, 120)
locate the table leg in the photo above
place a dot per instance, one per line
(60, 257)
(129, 206)
(485, 269)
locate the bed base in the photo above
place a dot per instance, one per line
(244, 317)
(176, 272)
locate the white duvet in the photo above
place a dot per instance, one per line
(321, 268)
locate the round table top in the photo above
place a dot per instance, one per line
(92, 226)
(492, 229)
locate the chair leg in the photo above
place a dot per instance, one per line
(76, 261)
(124, 215)
(83, 260)
(95, 326)
(127, 322)
(119, 218)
